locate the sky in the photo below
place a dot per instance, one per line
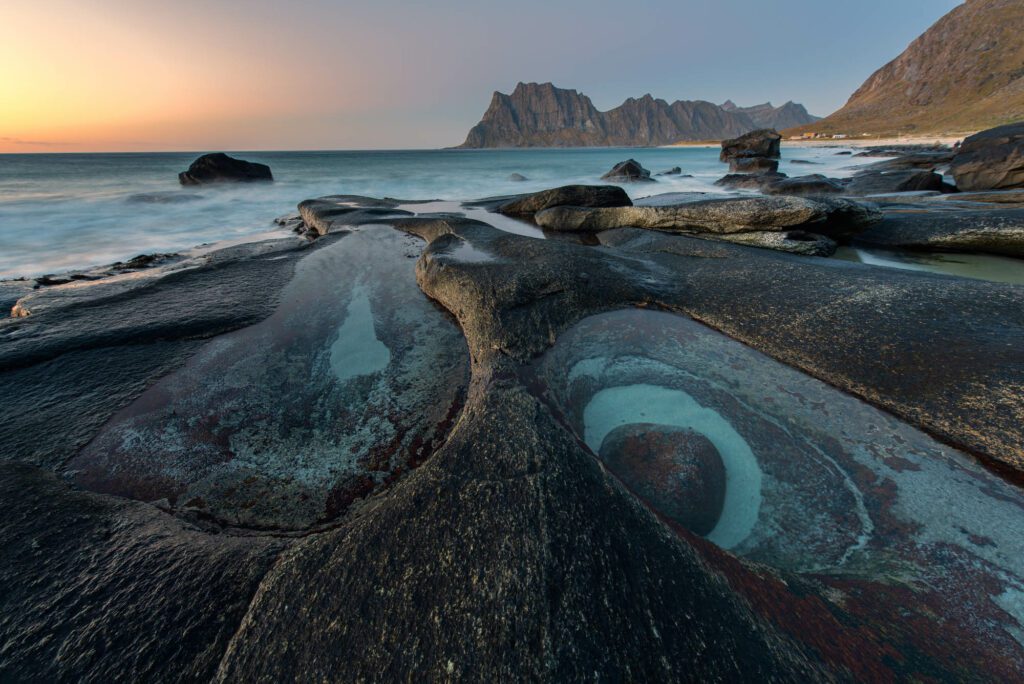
(198, 75)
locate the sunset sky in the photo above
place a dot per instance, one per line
(127, 75)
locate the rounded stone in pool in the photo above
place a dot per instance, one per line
(678, 471)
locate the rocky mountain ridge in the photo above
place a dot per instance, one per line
(542, 115)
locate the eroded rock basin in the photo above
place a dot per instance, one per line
(817, 482)
(283, 424)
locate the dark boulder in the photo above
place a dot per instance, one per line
(629, 171)
(748, 181)
(753, 165)
(804, 161)
(567, 195)
(803, 186)
(927, 160)
(844, 153)
(882, 183)
(517, 178)
(677, 471)
(991, 160)
(674, 171)
(761, 143)
(219, 167)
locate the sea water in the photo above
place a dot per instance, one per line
(60, 212)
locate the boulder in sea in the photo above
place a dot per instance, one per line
(629, 171)
(753, 165)
(844, 153)
(911, 180)
(517, 178)
(760, 143)
(567, 195)
(219, 167)
(674, 171)
(991, 160)
(804, 161)
(677, 471)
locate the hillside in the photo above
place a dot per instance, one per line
(963, 74)
(541, 115)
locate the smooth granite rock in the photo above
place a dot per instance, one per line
(831, 217)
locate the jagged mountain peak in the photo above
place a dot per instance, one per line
(544, 115)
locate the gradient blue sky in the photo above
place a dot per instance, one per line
(261, 74)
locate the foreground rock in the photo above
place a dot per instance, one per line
(567, 195)
(219, 167)
(483, 561)
(629, 171)
(836, 218)
(761, 143)
(991, 160)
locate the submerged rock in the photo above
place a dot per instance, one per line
(517, 178)
(629, 171)
(219, 167)
(674, 171)
(567, 195)
(991, 160)
(677, 470)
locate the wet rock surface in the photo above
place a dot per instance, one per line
(284, 424)
(850, 544)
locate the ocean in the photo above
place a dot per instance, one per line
(61, 212)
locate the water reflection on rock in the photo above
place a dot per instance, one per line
(352, 380)
(817, 481)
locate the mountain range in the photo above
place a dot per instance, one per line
(963, 74)
(541, 115)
